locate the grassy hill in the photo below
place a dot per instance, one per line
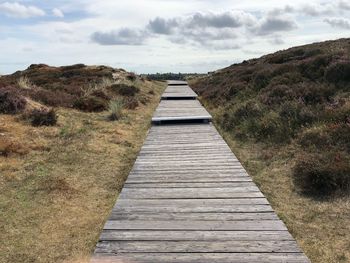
(62, 158)
(287, 117)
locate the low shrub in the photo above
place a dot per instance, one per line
(315, 138)
(125, 90)
(338, 72)
(43, 117)
(11, 101)
(52, 98)
(115, 109)
(322, 175)
(90, 104)
(131, 76)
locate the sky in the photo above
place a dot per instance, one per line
(148, 36)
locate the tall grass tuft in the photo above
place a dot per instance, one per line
(115, 109)
(24, 83)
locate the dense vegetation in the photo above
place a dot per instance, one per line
(298, 96)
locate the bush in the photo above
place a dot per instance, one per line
(11, 102)
(125, 90)
(52, 98)
(115, 109)
(322, 175)
(316, 138)
(131, 76)
(90, 104)
(43, 117)
(338, 72)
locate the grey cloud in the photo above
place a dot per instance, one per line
(271, 25)
(162, 26)
(124, 36)
(277, 40)
(344, 5)
(338, 22)
(281, 11)
(227, 19)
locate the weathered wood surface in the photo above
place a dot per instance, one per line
(179, 92)
(188, 199)
(177, 82)
(177, 110)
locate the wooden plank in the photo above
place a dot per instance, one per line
(168, 235)
(251, 246)
(201, 258)
(192, 193)
(189, 185)
(146, 216)
(274, 225)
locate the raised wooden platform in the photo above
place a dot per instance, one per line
(178, 92)
(188, 199)
(170, 111)
(176, 82)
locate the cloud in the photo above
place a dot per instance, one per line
(57, 13)
(338, 22)
(270, 25)
(277, 40)
(124, 36)
(231, 19)
(20, 11)
(344, 5)
(162, 26)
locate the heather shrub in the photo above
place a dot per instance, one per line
(90, 104)
(276, 95)
(261, 79)
(43, 117)
(322, 175)
(11, 102)
(52, 98)
(315, 138)
(338, 72)
(115, 109)
(131, 76)
(125, 90)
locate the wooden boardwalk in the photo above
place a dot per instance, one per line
(188, 199)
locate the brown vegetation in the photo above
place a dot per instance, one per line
(287, 117)
(58, 183)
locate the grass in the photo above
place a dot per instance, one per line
(55, 198)
(24, 83)
(115, 109)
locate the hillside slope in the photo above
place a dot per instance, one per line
(59, 182)
(287, 117)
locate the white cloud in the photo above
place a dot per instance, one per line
(270, 25)
(20, 11)
(57, 12)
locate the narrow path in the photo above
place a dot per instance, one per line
(188, 198)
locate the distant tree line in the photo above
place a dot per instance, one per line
(172, 76)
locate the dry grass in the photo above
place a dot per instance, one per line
(320, 227)
(56, 198)
(24, 83)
